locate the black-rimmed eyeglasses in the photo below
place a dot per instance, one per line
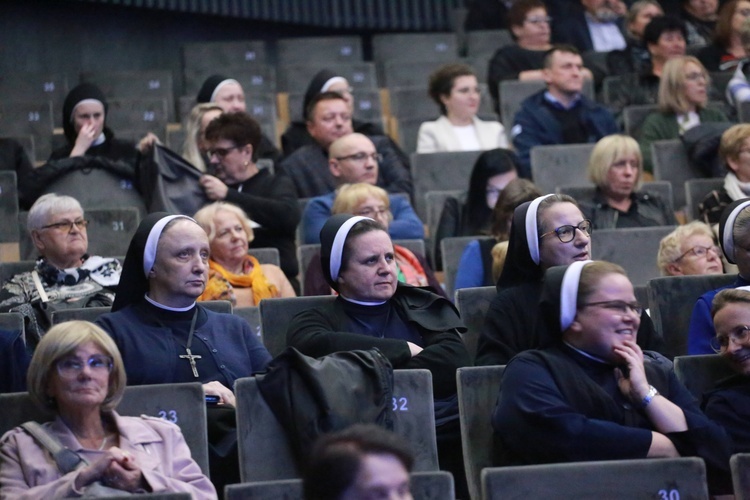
(567, 233)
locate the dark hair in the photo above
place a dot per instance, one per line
(723, 29)
(490, 163)
(336, 458)
(237, 127)
(517, 13)
(660, 25)
(442, 80)
(561, 47)
(323, 96)
(516, 192)
(358, 229)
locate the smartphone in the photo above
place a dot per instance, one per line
(212, 400)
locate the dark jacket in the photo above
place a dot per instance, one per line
(536, 125)
(646, 206)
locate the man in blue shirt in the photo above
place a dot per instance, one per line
(351, 159)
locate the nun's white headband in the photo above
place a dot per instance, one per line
(337, 249)
(532, 233)
(219, 86)
(569, 293)
(727, 242)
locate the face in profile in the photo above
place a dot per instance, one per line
(730, 323)
(606, 319)
(181, 266)
(552, 250)
(370, 271)
(380, 476)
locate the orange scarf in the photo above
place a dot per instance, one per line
(410, 271)
(221, 281)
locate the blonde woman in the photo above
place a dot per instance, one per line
(683, 96)
(234, 274)
(195, 147)
(616, 171)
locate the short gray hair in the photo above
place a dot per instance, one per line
(48, 204)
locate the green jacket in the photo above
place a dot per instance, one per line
(660, 126)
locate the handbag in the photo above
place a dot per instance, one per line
(68, 460)
(171, 184)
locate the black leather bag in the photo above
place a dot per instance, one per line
(170, 184)
(702, 146)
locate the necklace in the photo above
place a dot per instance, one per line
(190, 356)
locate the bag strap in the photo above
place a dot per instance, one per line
(39, 288)
(67, 460)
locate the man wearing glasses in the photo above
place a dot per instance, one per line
(64, 275)
(351, 159)
(329, 118)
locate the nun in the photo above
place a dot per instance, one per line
(228, 94)
(296, 135)
(165, 337)
(411, 326)
(594, 394)
(163, 334)
(545, 232)
(734, 238)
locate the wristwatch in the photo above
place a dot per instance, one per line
(652, 393)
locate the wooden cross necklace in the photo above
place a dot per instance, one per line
(190, 356)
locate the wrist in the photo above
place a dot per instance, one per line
(650, 395)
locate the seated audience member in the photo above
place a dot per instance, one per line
(615, 169)
(90, 144)
(195, 147)
(591, 25)
(727, 403)
(361, 462)
(325, 80)
(700, 17)
(683, 95)
(328, 119)
(548, 231)
(530, 27)
(664, 38)
(351, 159)
(635, 57)
(734, 238)
(738, 89)
(227, 93)
(689, 250)
(455, 90)
(594, 394)
(560, 114)
(412, 327)
(476, 267)
(471, 213)
(726, 49)
(14, 158)
(235, 275)
(266, 198)
(64, 276)
(78, 374)
(164, 336)
(734, 150)
(367, 200)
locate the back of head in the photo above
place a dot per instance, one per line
(336, 459)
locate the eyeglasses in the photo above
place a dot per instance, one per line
(67, 226)
(362, 157)
(222, 152)
(619, 306)
(700, 252)
(567, 233)
(696, 76)
(720, 343)
(71, 367)
(372, 212)
(539, 20)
